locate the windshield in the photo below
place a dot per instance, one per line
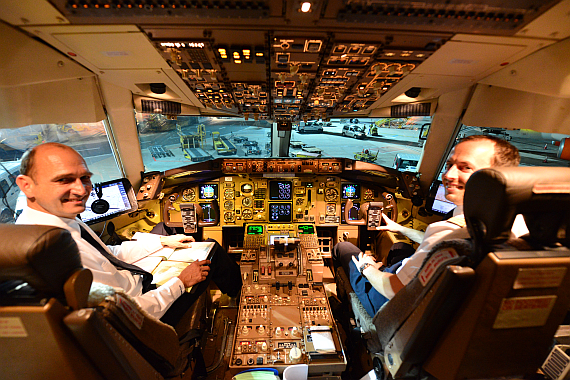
(169, 143)
(535, 148)
(89, 139)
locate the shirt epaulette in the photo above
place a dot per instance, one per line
(458, 220)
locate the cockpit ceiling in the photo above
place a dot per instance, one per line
(456, 16)
(268, 60)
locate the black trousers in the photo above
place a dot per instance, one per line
(224, 271)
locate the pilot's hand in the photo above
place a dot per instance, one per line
(176, 241)
(195, 273)
(363, 261)
(390, 225)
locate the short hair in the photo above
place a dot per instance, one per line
(506, 154)
(28, 158)
(27, 162)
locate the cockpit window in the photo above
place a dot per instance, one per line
(535, 148)
(169, 143)
(89, 139)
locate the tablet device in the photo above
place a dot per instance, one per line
(120, 196)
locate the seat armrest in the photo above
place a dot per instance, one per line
(76, 288)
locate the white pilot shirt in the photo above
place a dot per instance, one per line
(439, 231)
(155, 302)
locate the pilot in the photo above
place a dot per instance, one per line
(375, 286)
(57, 184)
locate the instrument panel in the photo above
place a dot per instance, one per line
(284, 316)
(246, 198)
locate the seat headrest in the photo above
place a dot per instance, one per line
(42, 256)
(494, 196)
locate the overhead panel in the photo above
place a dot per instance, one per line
(491, 17)
(130, 50)
(266, 59)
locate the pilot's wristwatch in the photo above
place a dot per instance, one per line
(362, 267)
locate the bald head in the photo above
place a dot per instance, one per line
(55, 179)
(27, 165)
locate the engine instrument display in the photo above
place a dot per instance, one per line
(280, 190)
(279, 212)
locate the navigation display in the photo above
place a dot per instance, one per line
(352, 214)
(350, 191)
(279, 212)
(209, 191)
(120, 196)
(280, 190)
(208, 212)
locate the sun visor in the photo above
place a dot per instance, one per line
(63, 101)
(499, 107)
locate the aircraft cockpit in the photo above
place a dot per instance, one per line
(281, 129)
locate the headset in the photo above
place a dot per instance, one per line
(99, 206)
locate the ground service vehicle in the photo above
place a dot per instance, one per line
(366, 155)
(123, 81)
(310, 128)
(355, 131)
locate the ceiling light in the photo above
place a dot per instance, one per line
(306, 7)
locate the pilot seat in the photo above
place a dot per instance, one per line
(487, 306)
(52, 327)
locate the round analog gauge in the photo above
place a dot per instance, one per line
(331, 194)
(247, 213)
(189, 194)
(331, 209)
(247, 201)
(299, 201)
(229, 205)
(368, 194)
(229, 216)
(229, 194)
(246, 188)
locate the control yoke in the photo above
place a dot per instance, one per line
(369, 214)
(192, 216)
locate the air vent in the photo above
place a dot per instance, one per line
(160, 106)
(557, 364)
(407, 110)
